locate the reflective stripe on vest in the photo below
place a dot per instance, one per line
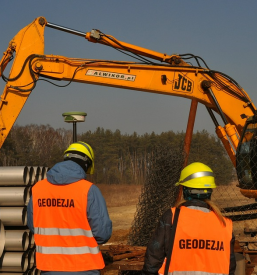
(63, 236)
(193, 273)
(201, 245)
(63, 232)
(68, 250)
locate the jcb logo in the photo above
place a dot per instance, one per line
(182, 83)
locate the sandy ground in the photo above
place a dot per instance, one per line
(224, 196)
(122, 218)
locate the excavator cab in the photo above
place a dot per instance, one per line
(246, 159)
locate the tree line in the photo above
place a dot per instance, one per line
(119, 158)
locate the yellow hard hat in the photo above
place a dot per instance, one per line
(197, 175)
(83, 148)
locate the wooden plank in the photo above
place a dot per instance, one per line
(245, 239)
(124, 265)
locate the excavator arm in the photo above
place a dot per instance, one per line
(28, 41)
(171, 75)
(211, 89)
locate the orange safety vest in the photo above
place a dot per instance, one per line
(201, 244)
(63, 237)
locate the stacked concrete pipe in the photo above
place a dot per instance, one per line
(17, 247)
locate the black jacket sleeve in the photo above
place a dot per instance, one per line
(157, 247)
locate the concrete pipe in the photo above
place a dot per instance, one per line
(44, 171)
(14, 196)
(32, 175)
(14, 262)
(16, 240)
(33, 271)
(31, 258)
(15, 175)
(38, 173)
(13, 216)
(2, 238)
(31, 239)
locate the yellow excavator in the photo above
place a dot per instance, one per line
(153, 72)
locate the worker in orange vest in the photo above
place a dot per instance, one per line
(69, 217)
(193, 237)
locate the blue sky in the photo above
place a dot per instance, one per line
(222, 32)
